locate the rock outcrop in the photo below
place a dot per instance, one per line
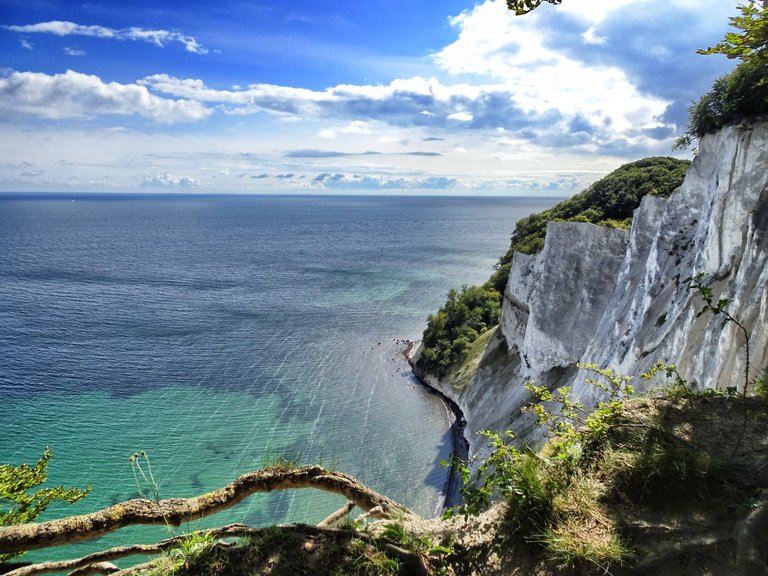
(619, 298)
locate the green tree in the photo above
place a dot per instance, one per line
(750, 45)
(18, 505)
(465, 315)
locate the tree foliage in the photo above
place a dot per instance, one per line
(520, 7)
(18, 505)
(751, 44)
(466, 314)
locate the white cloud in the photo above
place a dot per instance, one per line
(590, 36)
(26, 44)
(76, 95)
(512, 51)
(157, 37)
(168, 181)
(461, 116)
(354, 127)
(69, 51)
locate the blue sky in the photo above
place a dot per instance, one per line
(404, 96)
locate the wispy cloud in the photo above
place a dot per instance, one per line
(314, 153)
(157, 37)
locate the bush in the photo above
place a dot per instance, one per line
(734, 97)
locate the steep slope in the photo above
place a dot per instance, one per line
(619, 299)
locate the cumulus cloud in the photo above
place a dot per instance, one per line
(76, 95)
(384, 182)
(539, 101)
(168, 181)
(403, 102)
(537, 77)
(159, 38)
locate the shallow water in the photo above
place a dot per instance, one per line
(221, 333)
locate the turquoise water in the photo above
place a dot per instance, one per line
(221, 333)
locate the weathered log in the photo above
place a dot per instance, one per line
(174, 511)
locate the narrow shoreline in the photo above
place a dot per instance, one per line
(460, 448)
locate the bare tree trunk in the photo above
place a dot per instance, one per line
(174, 511)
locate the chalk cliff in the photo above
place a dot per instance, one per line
(618, 298)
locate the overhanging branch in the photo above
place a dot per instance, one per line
(174, 511)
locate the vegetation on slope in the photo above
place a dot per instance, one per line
(641, 483)
(609, 202)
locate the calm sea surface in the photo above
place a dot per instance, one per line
(220, 333)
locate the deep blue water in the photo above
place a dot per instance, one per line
(219, 333)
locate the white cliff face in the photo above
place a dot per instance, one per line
(619, 299)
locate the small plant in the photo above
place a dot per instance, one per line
(279, 463)
(423, 545)
(676, 386)
(697, 283)
(761, 385)
(193, 547)
(148, 481)
(367, 560)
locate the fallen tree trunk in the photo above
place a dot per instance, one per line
(174, 511)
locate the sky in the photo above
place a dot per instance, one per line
(396, 97)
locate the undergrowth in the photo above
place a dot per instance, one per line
(624, 452)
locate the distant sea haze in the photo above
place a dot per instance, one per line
(219, 334)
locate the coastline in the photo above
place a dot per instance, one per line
(460, 444)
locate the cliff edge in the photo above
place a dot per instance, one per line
(619, 298)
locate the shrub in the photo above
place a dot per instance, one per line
(734, 97)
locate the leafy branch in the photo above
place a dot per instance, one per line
(719, 308)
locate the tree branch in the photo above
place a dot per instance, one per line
(338, 515)
(414, 561)
(174, 511)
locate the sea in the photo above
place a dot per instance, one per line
(219, 334)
